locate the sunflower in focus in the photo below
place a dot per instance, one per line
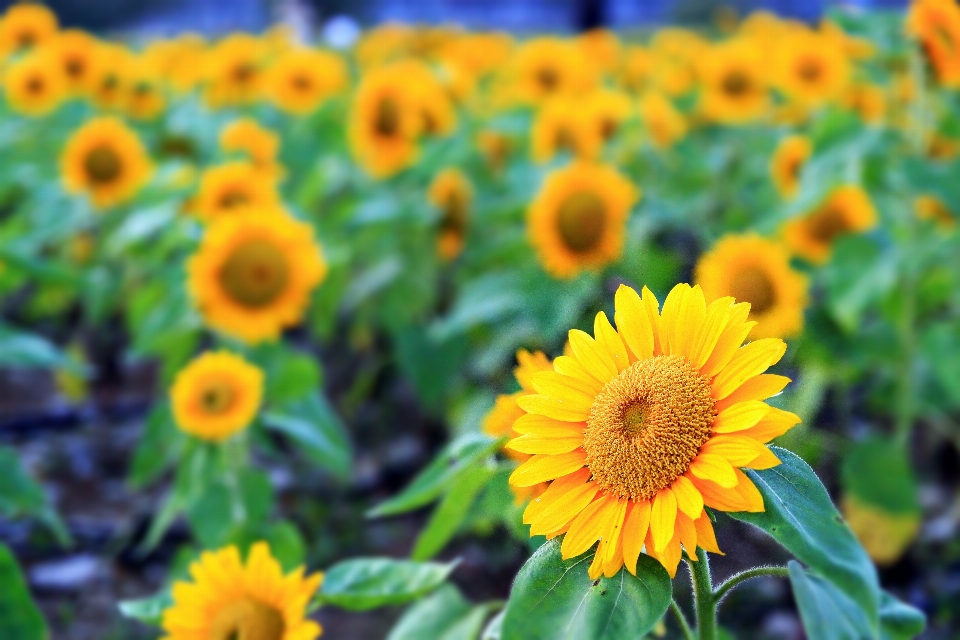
(256, 143)
(755, 270)
(548, 67)
(216, 396)
(846, 210)
(78, 55)
(26, 26)
(929, 207)
(235, 186)
(34, 85)
(562, 125)
(578, 219)
(254, 273)
(663, 122)
(499, 420)
(645, 425)
(451, 193)
(811, 68)
(385, 122)
(302, 79)
(228, 599)
(235, 71)
(936, 24)
(106, 160)
(787, 164)
(734, 83)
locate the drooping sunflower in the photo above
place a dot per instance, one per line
(257, 143)
(34, 85)
(302, 79)
(78, 54)
(929, 207)
(106, 160)
(936, 24)
(563, 125)
(216, 396)
(578, 219)
(234, 73)
(228, 599)
(811, 68)
(385, 122)
(645, 425)
(548, 67)
(451, 193)
(755, 270)
(735, 86)
(254, 272)
(25, 26)
(235, 186)
(662, 121)
(787, 163)
(846, 210)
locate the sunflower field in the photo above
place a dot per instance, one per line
(475, 335)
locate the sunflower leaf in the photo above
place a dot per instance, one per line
(451, 512)
(19, 616)
(367, 583)
(443, 615)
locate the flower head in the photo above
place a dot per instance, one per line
(106, 160)
(216, 396)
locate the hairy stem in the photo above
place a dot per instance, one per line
(682, 621)
(756, 572)
(703, 597)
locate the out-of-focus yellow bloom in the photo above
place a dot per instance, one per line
(496, 148)
(929, 207)
(437, 114)
(855, 48)
(546, 67)
(638, 68)
(35, 85)
(451, 193)
(787, 163)
(26, 26)
(302, 79)
(936, 24)
(110, 87)
(885, 536)
(385, 121)
(384, 43)
(235, 186)
(942, 147)
(734, 82)
(145, 98)
(811, 68)
(601, 48)
(663, 123)
(78, 54)
(564, 125)
(258, 144)
(609, 110)
(677, 51)
(478, 53)
(235, 71)
(105, 160)
(846, 210)
(868, 100)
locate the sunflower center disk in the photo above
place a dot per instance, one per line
(233, 198)
(581, 221)
(247, 619)
(102, 165)
(35, 85)
(217, 397)
(255, 274)
(647, 425)
(754, 286)
(827, 224)
(736, 84)
(387, 117)
(548, 78)
(810, 70)
(454, 213)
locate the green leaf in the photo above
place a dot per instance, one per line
(451, 512)
(800, 516)
(286, 545)
(878, 473)
(147, 610)
(858, 275)
(898, 620)
(494, 628)
(443, 615)
(20, 496)
(827, 612)
(461, 454)
(19, 616)
(312, 423)
(159, 447)
(368, 583)
(24, 350)
(290, 375)
(939, 344)
(553, 599)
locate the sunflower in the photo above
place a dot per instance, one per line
(867, 100)
(385, 122)
(601, 48)
(301, 79)
(677, 53)
(936, 24)
(79, 56)
(846, 210)
(787, 163)
(646, 425)
(34, 85)
(734, 82)
(495, 147)
(609, 110)
(547, 67)
(663, 122)
(637, 68)
(235, 186)
(258, 144)
(499, 420)
(451, 193)
(144, 95)
(437, 114)
(578, 219)
(216, 396)
(110, 85)
(106, 160)
(254, 272)
(235, 71)
(755, 270)
(932, 208)
(811, 68)
(563, 125)
(25, 26)
(228, 599)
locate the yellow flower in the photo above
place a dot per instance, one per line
(302, 79)
(811, 68)
(601, 47)
(451, 193)
(35, 85)
(145, 99)
(384, 124)
(25, 26)
(932, 208)
(868, 100)
(608, 110)
(787, 164)
(383, 43)
(227, 599)
(254, 272)
(437, 115)
(677, 53)
(638, 68)
(235, 186)
(578, 219)
(936, 24)
(106, 160)
(234, 71)
(496, 148)
(258, 144)
(734, 82)
(752, 269)
(663, 123)
(647, 424)
(846, 210)
(563, 125)
(547, 67)
(78, 54)
(216, 396)
(885, 536)
(855, 48)
(110, 85)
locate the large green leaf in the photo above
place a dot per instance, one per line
(19, 616)
(553, 599)
(451, 512)
(800, 516)
(312, 423)
(368, 583)
(443, 615)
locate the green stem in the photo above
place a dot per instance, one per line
(734, 581)
(703, 597)
(682, 621)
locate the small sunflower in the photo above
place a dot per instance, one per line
(78, 54)
(932, 208)
(254, 272)
(662, 121)
(601, 48)
(259, 144)
(109, 87)
(496, 148)
(735, 87)
(385, 122)
(547, 67)
(302, 79)
(563, 125)
(235, 186)
(216, 396)
(144, 97)
(752, 269)
(811, 68)
(609, 110)
(867, 100)
(637, 69)
(26, 26)
(578, 219)
(34, 85)
(106, 160)
(228, 599)
(451, 193)
(846, 210)
(936, 24)
(645, 425)
(235, 71)
(787, 164)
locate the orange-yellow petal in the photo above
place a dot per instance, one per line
(588, 527)
(749, 361)
(738, 450)
(537, 425)
(663, 515)
(541, 468)
(690, 321)
(555, 492)
(729, 341)
(740, 416)
(634, 533)
(544, 444)
(652, 307)
(689, 500)
(573, 409)
(609, 340)
(764, 386)
(706, 538)
(776, 423)
(557, 385)
(715, 468)
(688, 535)
(715, 320)
(592, 356)
(633, 323)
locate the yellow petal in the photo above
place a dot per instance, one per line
(669, 557)
(690, 319)
(541, 468)
(588, 527)
(669, 319)
(573, 409)
(592, 356)
(663, 515)
(729, 341)
(749, 361)
(689, 500)
(766, 460)
(764, 386)
(706, 538)
(544, 444)
(557, 489)
(569, 366)
(652, 306)
(612, 536)
(633, 323)
(537, 425)
(688, 535)
(557, 385)
(715, 320)
(740, 416)
(613, 561)
(715, 468)
(609, 340)
(634, 533)
(596, 567)
(563, 509)
(737, 450)
(776, 423)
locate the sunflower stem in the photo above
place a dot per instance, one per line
(749, 574)
(703, 597)
(682, 621)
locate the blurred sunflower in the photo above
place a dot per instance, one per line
(216, 396)
(637, 69)
(451, 193)
(235, 186)
(562, 125)
(755, 270)
(234, 71)
(677, 52)
(646, 425)
(495, 147)
(547, 67)
(258, 144)
(437, 114)
(578, 219)
(180, 68)
(929, 207)
(110, 84)
(601, 48)
(384, 124)
(302, 79)
(78, 55)
(867, 100)
(106, 160)
(787, 164)
(609, 110)
(734, 82)
(34, 85)
(144, 95)
(811, 69)
(254, 272)
(26, 26)
(227, 599)
(662, 121)
(846, 210)
(936, 24)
